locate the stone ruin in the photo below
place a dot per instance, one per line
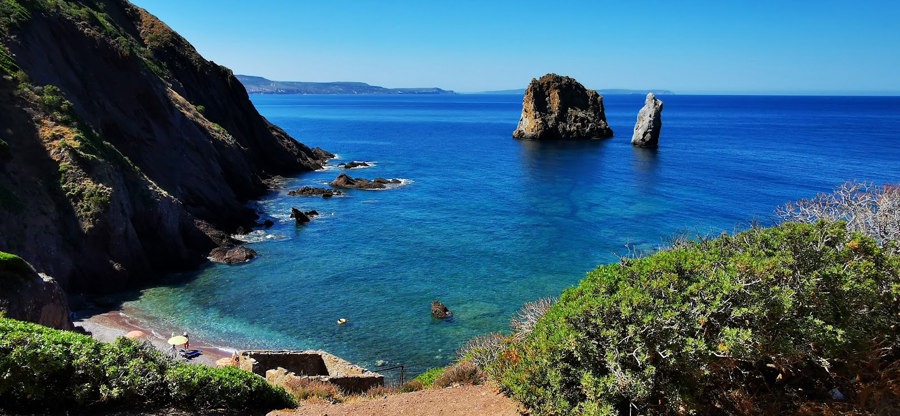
(315, 365)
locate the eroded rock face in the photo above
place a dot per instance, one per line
(26, 295)
(649, 123)
(560, 108)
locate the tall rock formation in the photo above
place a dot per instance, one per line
(560, 108)
(123, 153)
(649, 123)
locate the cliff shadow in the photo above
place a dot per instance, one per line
(86, 304)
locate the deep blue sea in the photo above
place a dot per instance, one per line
(486, 223)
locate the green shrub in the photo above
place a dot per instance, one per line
(427, 378)
(43, 369)
(7, 63)
(55, 103)
(201, 387)
(12, 14)
(758, 322)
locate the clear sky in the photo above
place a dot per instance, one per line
(722, 46)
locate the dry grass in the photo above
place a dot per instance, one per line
(380, 391)
(460, 374)
(303, 388)
(412, 386)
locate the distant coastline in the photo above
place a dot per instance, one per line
(260, 85)
(606, 91)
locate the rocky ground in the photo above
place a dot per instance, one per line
(463, 401)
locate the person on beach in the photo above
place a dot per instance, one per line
(187, 343)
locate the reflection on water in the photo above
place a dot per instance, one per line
(645, 164)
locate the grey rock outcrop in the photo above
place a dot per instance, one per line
(649, 123)
(560, 108)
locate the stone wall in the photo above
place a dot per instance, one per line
(318, 365)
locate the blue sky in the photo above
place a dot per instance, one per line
(724, 46)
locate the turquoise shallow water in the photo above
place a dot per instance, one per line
(486, 223)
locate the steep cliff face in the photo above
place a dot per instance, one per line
(124, 153)
(560, 108)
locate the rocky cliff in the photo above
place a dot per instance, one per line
(27, 296)
(560, 108)
(123, 153)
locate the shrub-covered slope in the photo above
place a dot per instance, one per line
(768, 321)
(122, 150)
(49, 370)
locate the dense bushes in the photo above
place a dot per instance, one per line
(44, 369)
(761, 322)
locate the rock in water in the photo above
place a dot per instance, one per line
(300, 216)
(346, 182)
(560, 108)
(439, 310)
(232, 255)
(649, 123)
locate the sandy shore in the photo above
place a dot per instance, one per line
(108, 326)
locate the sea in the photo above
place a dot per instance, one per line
(485, 223)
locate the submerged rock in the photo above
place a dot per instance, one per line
(344, 181)
(232, 255)
(439, 310)
(560, 108)
(354, 164)
(649, 123)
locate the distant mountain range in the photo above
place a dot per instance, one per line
(608, 91)
(260, 85)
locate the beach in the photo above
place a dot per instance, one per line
(107, 326)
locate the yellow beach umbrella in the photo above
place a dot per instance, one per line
(177, 340)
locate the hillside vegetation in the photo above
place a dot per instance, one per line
(46, 370)
(800, 317)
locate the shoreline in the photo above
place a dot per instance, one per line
(109, 325)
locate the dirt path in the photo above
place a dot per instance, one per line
(451, 401)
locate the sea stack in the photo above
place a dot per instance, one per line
(649, 123)
(560, 108)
